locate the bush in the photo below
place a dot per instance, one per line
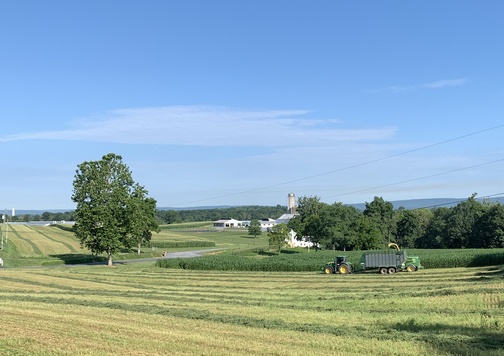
(180, 244)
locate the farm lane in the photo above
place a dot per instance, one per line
(182, 254)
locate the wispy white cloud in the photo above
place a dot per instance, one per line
(395, 89)
(207, 126)
(445, 83)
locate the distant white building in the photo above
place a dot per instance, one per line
(285, 218)
(226, 223)
(267, 224)
(292, 241)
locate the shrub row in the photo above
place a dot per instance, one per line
(185, 226)
(180, 244)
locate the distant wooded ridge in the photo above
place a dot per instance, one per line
(406, 204)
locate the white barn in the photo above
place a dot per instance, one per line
(226, 223)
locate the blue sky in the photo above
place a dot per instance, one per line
(242, 102)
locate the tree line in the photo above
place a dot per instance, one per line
(171, 216)
(45, 216)
(469, 224)
(252, 212)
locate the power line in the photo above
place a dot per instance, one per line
(415, 179)
(457, 201)
(347, 167)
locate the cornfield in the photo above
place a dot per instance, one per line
(311, 262)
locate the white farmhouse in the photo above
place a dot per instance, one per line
(292, 241)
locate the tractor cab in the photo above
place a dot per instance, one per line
(340, 265)
(340, 259)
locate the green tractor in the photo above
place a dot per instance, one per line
(412, 263)
(340, 265)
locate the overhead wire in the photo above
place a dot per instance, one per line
(355, 166)
(456, 202)
(415, 179)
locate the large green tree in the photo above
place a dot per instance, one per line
(435, 229)
(408, 229)
(278, 235)
(340, 219)
(307, 223)
(254, 228)
(112, 211)
(488, 229)
(142, 213)
(382, 213)
(460, 223)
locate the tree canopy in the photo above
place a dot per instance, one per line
(254, 228)
(277, 236)
(470, 223)
(113, 212)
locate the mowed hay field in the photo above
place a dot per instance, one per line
(39, 241)
(140, 309)
(43, 243)
(35, 245)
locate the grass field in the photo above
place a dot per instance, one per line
(141, 309)
(32, 245)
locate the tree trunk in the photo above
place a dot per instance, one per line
(109, 253)
(139, 246)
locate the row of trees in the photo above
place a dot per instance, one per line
(45, 216)
(470, 224)
(211, 214)
(170, 216)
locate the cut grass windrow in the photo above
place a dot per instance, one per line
(439, 312)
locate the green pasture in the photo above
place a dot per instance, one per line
(31, 245)
(232, 249)
(139, 309)
(241, 299)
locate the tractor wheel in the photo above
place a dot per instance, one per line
(410, 268)
(391, 270)
(328, 270)
(344, 269)
(383, 270)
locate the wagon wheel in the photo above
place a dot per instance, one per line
(391, 270)
(383, 270)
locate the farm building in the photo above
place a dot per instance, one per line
(226, 223)
(267, 224)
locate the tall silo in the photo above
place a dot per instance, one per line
(291, 203)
